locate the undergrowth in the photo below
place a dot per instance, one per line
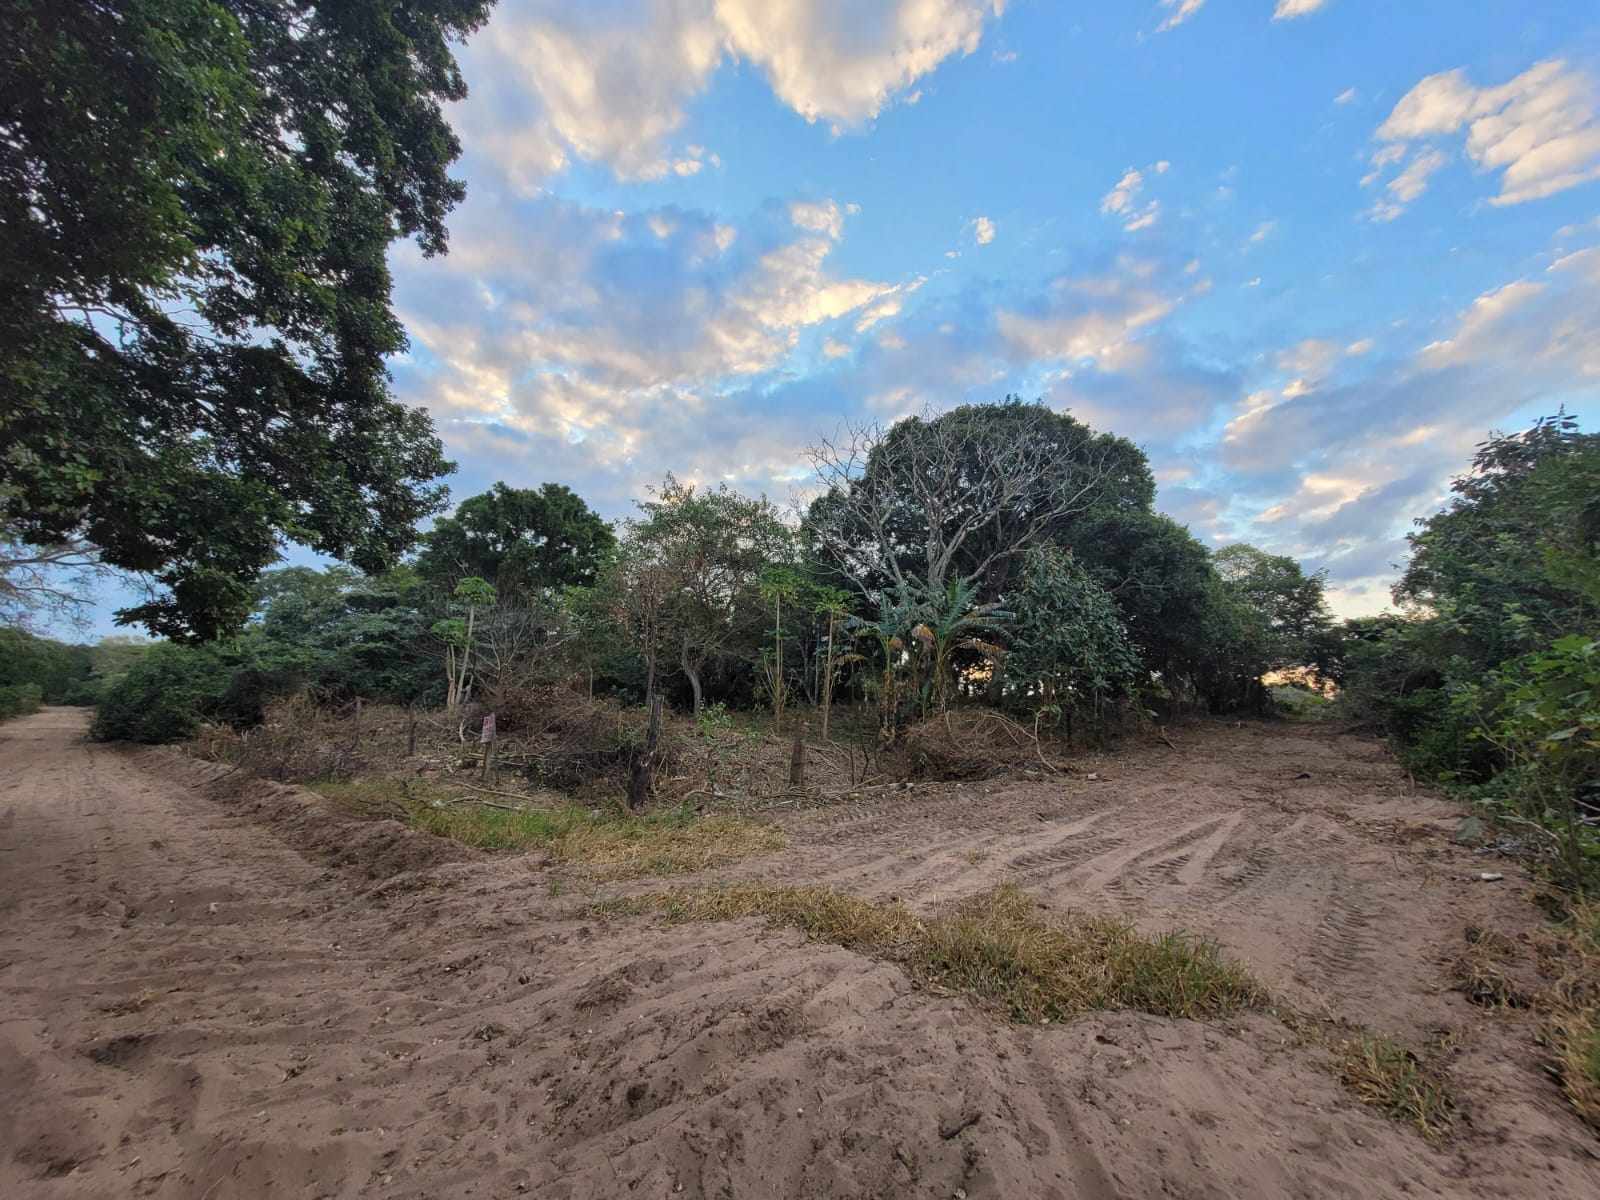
(1386, 1075)
(667, 842)
(996, 948)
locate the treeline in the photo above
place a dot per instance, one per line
(1003, 553)
(1490, 682)
(37, 670)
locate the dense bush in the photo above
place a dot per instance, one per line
(165, 696)
(19, 699)
(1491, 683)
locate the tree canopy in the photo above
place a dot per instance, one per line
(523, 540)
(197, 198)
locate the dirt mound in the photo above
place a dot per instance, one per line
(374, 849)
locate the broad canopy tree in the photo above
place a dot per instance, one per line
(196, 199)
(525, 541)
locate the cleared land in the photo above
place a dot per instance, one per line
(211, 987)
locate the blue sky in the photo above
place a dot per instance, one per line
(1305, 252)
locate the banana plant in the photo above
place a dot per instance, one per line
(949, 619)
(888, 630)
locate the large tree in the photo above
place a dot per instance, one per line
(523, 540)
(196, 202)
(962, 495)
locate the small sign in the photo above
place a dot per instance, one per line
(487, 735)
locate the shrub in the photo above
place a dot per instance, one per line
(164, 696)
(19, 699)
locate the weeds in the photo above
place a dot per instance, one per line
(996, 948)
(670, 842)
(1384, 1074)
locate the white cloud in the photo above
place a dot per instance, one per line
(1345, 97)
(1409, 184)
(1096, 319)
(983, 231)
(1263, 232)
(1123, 200)
(1289, 9)
(553, 81)
(1541, 130)
(830, 62)
(1358, 348)
(1182, 10)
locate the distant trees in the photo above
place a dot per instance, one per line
(1289, 606)
(195, 307)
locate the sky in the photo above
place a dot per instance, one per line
(1306, 253)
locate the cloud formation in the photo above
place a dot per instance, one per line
(611, 83)
(1540, 131)
(1181, 11)
(1287, 10)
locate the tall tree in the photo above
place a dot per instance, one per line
(196, 200)
(961, 496)
(523, 540)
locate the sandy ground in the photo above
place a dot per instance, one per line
(210, 989)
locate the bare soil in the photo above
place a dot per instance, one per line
(212, 987)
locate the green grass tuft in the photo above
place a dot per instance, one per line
(668, 842)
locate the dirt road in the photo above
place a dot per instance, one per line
(195, 1003)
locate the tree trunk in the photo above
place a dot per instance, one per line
(827, 681)
(642, 780)
(694, 685)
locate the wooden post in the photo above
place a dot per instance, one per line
(642, 780)
(487, 738)
(797, 760)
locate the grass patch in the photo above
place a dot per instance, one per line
(1384, 1074)
(1573, 1030)
(669, 842)
(997, 948)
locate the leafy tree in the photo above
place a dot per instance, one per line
(1069, 648)
(54, 668)
(1511, 564)
(523, 540)
(963, 495)
(457, 633)
(693, 565)
(1288, 605)
(198, 197)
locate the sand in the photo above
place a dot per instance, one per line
(212, 987)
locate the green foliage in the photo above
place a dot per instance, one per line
(525, 541)
(1543, 718)
(1285, 606)
(19, 699)
(164, 696)
(195, 296)
(56, 670)
(1492, 683)
(1069, 647)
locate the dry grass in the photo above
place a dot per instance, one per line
(1573, 1029)
(997, 948)
(1384, 1074)
(669, 842)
